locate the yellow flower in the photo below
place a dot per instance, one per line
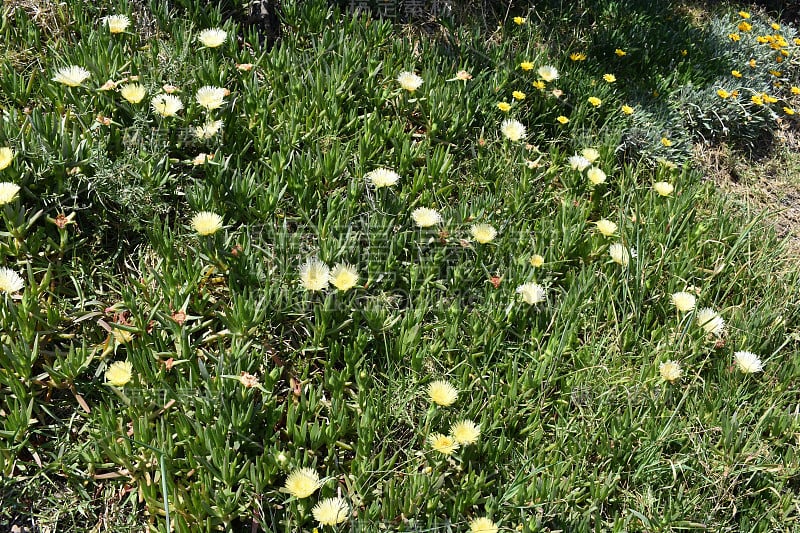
(343, 276)
(442, 393)
(72, 76)
(443, 444)
(6, 156)
(409, 81)
(590, 154)
(210, 97)
(314, 275)
(745, 26)
(212, 37)
(577, 56)
(526, 65)
(769, 99)
(536, 260)
(776, 73)
(117, 23)
(788, 110)
(518, 95)
(628, 110)
(482, 525)
(595, 101)
(538, 84)
(620, 53)
(206, 223)
(752, 63)
(504, 106)
(483, 233)
(166, 105)
(606, 227)
(331, 511)
(744, 14)
(670, 371)
(734, 37)
(610, 78)
(757, 100)
(684, 52)
(8, 191)
(425, 217)
(775, 26)
(133, 92)
(519, 20)
(596, 175)
(663, 188)
(302, 482)
(119, 373)
(562, 119)
(666, 142)
(723, 93)
(10, 281)
(683, 301)
(548, 73)
(382, 177)
(795, 90)
(736, 74)
(465, 432)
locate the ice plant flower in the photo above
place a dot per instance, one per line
(547, 73)
(736, 74)
(595, 101)
(596, 175)
(562, 119)
(409, 81)
(609, 78)
(619, 254)
(532, 293)
(536, 260)
(483, 233)
(210, 97)
(748, 362)
(72, 76)
(513, 130)
(302, 482)
(425, 217)
(463, 75)
(442, 393)
(590, 154)
(577, 56)
(505, 107)
(443, 444)
(314, 275)
(628, 110)
(8, 192)
(518, 95)
(539, 84)
(606, 227)
(482, 525)
(133, 92)
(10, 281)
(526, 65)
(382, 177)
(663, 188)
(331, 511)
(465, 432)
(683, 301)
(117, 23)
(620, 52)
(711, 322)
(208, 130)
(670, 371)
(578, 162)
(166, 105)
(212, 37)
(666, 142)
(343, 276)
(206, 223)
(519, 21)
(119, 373)
(6, 156)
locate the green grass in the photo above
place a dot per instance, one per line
(579, 432)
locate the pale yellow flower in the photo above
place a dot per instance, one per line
(210, 97)
(8, 192)
(578, 162)
(606, 227)
(10, 281)
(443, 444)
(119, 373)
(513, 130)
(711, 322)
(482, 525)
(670, 371)
(206, 223)
(596, 175)
(72, 76)
(212, 37)
(208, 130)
(117, 23)
(619, 254)
(382, 177)
(748, 362)
(505, 107)
(133, 92)
(483, 233)
(6, 157)
(536, 260)
(331, 511)
(442, 393)
(314, 275)
(424, 217)
(409, 81)
(609, 78)
(590, 154)
(548, 73)
(343, 276)
(532, 293)
(663, 188)
(465, 432)
(683, 301)
(302, 482)
(166, 105)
